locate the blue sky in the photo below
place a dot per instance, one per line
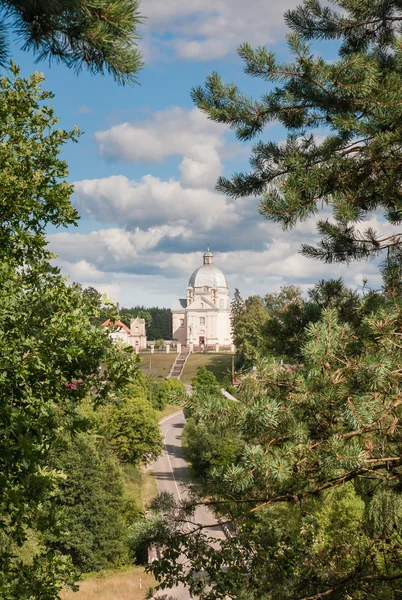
(145, 168)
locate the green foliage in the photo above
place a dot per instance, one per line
(158, 392)
(354, 100)
(248, 322)
(138, 540)
(209, 450)
(288, 316)
(158, 320)
(50, 353)
(391, 270)
(168, 391)
(131, 428)
(313, 486)
(34, 189)
(205, 381)
(283, 331)
(80, 33)
(92, 505)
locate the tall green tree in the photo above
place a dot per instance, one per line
(288, 314)
(315, 497)
(248, 334)
(97, 35)
(355, 100)
(91, 503)
(158, 320)
(50, 352)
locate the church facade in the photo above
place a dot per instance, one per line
(203, 317)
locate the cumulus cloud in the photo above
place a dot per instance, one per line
(170, 132)
(210, 29)
(151, 201)
(154, 259)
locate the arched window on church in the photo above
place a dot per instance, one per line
(137, 330)
(205, 288)
(202, 320)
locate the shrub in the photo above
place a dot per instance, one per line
(131, 428)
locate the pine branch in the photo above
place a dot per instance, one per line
(98, 35)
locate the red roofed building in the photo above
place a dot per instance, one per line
(135, 335)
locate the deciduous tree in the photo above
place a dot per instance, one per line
(50, 352)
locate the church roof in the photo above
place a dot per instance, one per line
(208, 276)
(138, 320)
(179, 304)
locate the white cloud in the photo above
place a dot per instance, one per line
(170, 132)
(210, 29)
(82, 270)
(151, 201)
(148, 270)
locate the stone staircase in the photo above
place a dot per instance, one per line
(179, 364)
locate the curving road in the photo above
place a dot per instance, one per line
(172, 475)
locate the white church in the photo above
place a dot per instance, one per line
(203, 317)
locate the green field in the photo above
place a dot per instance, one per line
(159, 363)
(219, 364)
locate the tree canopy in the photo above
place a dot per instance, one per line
(51, 354)
(97, 35)
(354, 103)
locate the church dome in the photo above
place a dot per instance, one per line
(208, 275)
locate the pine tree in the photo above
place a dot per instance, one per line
(356, 99)
(96, 34)
(315, 496)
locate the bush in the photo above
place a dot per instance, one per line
(205, 381)
(168, 391)
(208, 450)
(131, 428)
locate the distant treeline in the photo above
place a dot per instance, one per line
(158, 320)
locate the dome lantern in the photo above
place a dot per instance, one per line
(208, 256)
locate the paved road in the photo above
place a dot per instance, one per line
(172, 475)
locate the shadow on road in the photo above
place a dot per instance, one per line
(181, 474)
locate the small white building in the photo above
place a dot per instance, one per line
(203, 317)
(135, 335)
(138, 334)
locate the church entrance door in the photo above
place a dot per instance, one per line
(201, 340)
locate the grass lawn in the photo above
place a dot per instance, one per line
(219, 364)
(160, 363)
(130, 584)
(139, 484)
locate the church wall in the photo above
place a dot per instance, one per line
(179, 332)
(224, 327)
